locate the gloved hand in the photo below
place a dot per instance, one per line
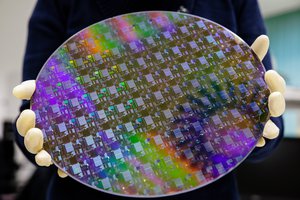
(34, 137)
(276, 85)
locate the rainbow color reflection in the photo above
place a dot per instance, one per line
(151, 104)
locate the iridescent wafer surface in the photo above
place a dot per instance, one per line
(151, 104)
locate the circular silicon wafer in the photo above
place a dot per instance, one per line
(151, 104)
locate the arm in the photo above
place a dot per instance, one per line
(250, 26)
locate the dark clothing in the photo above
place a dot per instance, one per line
(54, 21)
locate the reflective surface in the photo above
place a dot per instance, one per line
(151, 103)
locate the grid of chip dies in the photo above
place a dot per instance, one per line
(151, 104)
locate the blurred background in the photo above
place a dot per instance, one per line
(275, 178)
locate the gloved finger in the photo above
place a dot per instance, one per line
(271, 131)
(261, 142)
(25, 90)
(275, 82)
(43, 159)
(61, 173)
(276, 104)
(260, 46)
(33, 140)
(25, 121)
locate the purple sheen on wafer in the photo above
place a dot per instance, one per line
(151, 104)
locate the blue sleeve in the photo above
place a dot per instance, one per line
(45, 33)
(250, 26)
